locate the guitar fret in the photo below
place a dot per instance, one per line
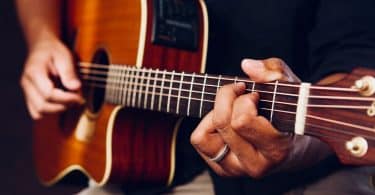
(153, 90)
(135, 90)
(202, 96)
(131, 83)
(112, 85)
(147, 88)
(108, 85)
(170, 91)
(115, 80)
(179, 93)
(273, 101)
(125, 86)
(122, 78)
(218, 84)
(253, 87)
(189, 99)
(161, 90)
(141, 89)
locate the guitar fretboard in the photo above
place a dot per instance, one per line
(189, 94)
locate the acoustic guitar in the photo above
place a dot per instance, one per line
(142, 64)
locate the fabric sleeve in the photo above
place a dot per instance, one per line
(343, 37)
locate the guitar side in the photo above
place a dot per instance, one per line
(107, 142)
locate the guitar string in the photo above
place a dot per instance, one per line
(287, 112)
(89, 65)
(332, 130)
(321, 126)
(141, 85)
(278, 93)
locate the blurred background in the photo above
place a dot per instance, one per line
(16, 167)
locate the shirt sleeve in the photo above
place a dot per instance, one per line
(342, 37)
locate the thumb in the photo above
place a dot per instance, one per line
(262, 70)
(63, 63)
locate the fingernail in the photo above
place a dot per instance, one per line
(240, 85)
(74, 84)
(249, 63)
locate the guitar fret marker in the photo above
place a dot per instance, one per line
(303, 98)
(273, 101)
(189, 99)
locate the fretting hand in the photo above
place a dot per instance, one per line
(233, 139)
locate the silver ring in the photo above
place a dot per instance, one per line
(221, 154)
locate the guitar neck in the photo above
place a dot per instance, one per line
(189, 94)
(300, 108)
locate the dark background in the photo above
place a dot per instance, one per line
(17, 174)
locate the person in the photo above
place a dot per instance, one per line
(317, 39)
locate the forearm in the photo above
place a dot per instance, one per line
(40, 19)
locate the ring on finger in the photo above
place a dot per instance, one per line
(221, 154)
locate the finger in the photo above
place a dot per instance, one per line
(205, 138)
(37, 105)
(63, 64)
(258, 71)
(259, 131)
(245, 105)
(246, 160)
(208, 142)
(65, 97)
(224, 99)
(229, 166)
(279, 65)
(38, 77)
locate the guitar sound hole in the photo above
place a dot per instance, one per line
(95, 90)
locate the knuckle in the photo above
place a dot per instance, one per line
(257, 172)
(197, 138)
(276, 155)
(219, 122)
(39, 109)
(240, 123)
(47, 94)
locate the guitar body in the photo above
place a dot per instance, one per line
(110, 143)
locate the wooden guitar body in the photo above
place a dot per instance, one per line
(110, 143)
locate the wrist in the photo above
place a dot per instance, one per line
(44, 36)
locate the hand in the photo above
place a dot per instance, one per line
(255, 146)
(49, 60)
